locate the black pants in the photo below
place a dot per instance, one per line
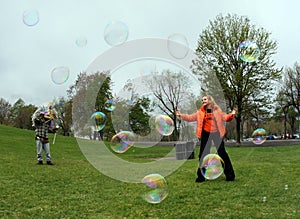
(206, 140)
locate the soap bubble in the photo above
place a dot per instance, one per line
(41, 110)
(164, 125)
(212, 166)
(60, 75)
(46, 113)
(99, 120)
(110, 105)
(130, 102)
(259, 136)
(122, 141)
(31, 17)
(116, 33)
(156, 188)
(178, 46)
(81, 41)
(248, 51)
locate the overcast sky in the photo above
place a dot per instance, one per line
(28, 54)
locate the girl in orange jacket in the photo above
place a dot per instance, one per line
(210, 128)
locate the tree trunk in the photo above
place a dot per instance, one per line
(284, 126)
(177, 126)
(238, 129)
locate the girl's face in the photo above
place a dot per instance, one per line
(205, 101)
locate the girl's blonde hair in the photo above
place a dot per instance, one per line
(212, 101)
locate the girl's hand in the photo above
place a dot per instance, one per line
(234, 111)
(177, 113)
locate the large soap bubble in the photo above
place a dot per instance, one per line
(60, 75)
(164, 125)
(259, 136)
(156, 188)
(122, 141)
(212, 166)
(99, 120)
(248, 51)
(178, 46)
(116, 33)
(31, 17)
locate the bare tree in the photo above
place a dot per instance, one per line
(292, 86)
(291, 89)
(173, 91)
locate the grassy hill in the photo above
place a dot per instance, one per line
(73, 188)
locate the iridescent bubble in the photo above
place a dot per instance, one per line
(81, 41)
(130, 102)
(99, 120)
(212, 166)
(178, 46)
(248, 51)
(259, 136)
(40, 111)
(156, 188)
(122, 141)
(116, 33)
(110, 105)
(31, 17)
(164, 125)
(46, 113)
(60, 75)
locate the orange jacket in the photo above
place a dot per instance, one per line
(218, 114)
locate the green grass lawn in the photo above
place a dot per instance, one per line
(73, 188)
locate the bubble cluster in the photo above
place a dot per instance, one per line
(98, 120)
(248, 51)
(133, 54)
(259, 136)
(212, 166)
(41, 110)
(110, 105)
(116, 33)
(164, 125)
(156, 188)
(122, 141)
(46, 113)
(178, 46)
(31, 17)
(60, 75)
